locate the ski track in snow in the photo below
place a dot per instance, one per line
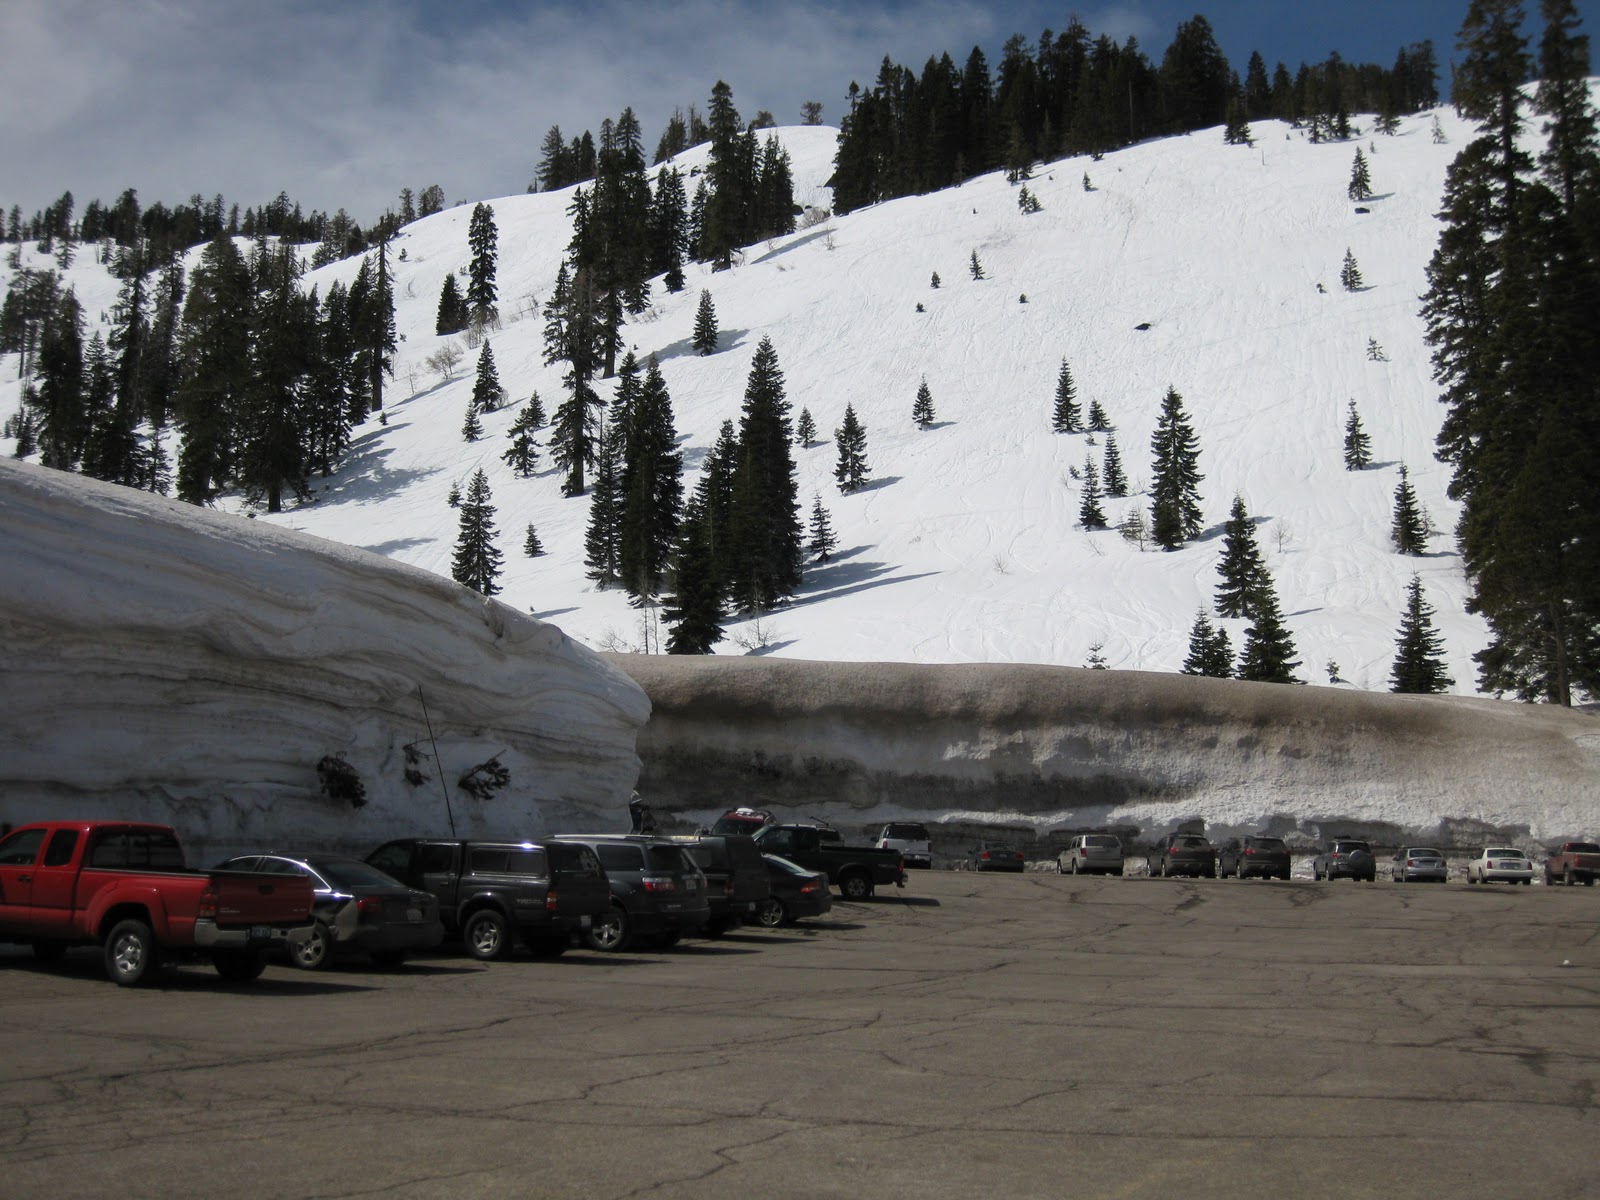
(965, 546)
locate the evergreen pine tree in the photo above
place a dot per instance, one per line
(482, 240)
(453, 313)
(1350, 274)
(1357, 444)
(1116, 482)
(522, 455)
(922, 408)
(763, 552)
(1360, 187)
(705, 326)
(1419, 649)
(453, 498)
(1027, 202)
(1236, 130)
(271, 429)
(694, 609)
(823, 541)
(1098, 421)
(471, 428)
(1066, 418)
(487, 394)
(531, 545)
(805, 429)
(652, 489)
(1210, 651)
(477, 563)
(1408, 532)
(1241, 565)
(1268, 654)
(1174, 476)
(1090, 515)
(934, 282)
(851, 471)
(212, 355)
(602, 539)
(975, 267)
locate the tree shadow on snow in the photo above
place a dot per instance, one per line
(846, 579)
(770, 648)
(727, 339)
(873, 485)
(363, 477)
(794, 245)
(396, 545)
(551, 613)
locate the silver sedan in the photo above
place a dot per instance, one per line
(1418, 863)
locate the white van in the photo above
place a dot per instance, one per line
(911, 839)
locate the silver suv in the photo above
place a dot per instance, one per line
(1091, 852)
(911, 839)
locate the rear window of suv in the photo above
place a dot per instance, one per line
(1266, 843)
(1103, 840)
(670, 858)
(909, 833)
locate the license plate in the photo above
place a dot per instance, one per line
(260, 933)
(750, 907)
(414, 915)
(585, 921)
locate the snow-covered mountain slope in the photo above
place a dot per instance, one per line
(1184, 262)
(173, 664)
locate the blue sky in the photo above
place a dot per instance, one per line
(343, 104)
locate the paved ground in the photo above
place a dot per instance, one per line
(1006, 1036)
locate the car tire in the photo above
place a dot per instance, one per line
(316, 952)
(1074, 870)
(1470, 878)
(132, 954)
(1566, 877)
(239, 966)
(611, 932)
(389, 959)
(487, 935)
(770, 913)
(853, 885)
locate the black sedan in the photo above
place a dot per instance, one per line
(796, 893)
(995, 856)
(357, 908)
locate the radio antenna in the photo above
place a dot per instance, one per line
(448, 811)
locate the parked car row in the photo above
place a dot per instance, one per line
(124, 887)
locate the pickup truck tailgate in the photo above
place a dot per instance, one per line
(257, 898)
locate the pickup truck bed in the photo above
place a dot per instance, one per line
(1574, 862)
(857, 871)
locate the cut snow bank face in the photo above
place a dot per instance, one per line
(1064, 749)
(165, 662)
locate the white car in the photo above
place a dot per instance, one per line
(911, 839)
(1504, 863)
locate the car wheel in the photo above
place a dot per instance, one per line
(1470, 878)
(1566, 876)
(315, 952)
(487, 935)
(389, 958)
(855, 886)
(770, 913)
(1074, 866)
(609, 932)
(239, 966)
(132, 955)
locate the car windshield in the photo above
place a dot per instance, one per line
(348, 873)
(1422, 852)
(670, 858)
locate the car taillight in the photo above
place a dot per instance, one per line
(369, 906)
(1174, 850)
(208, 904)
(809, 886)
(659, 883)
(985, 854)
(727, 887)
(1249, 851)
(1019, 855)
(550, 900)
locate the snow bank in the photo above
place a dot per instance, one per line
(1058, 749)
(165, 662)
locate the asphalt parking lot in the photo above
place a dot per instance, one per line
(1032, 1035)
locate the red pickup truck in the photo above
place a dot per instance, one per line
(123, 886)
(1575, 862)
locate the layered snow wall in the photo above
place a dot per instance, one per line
(1054, 750)
(164, 662)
